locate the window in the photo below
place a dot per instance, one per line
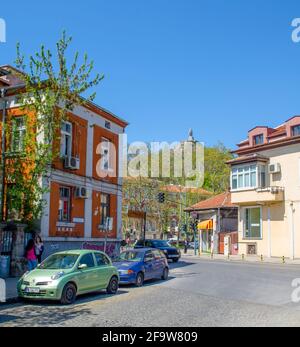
(158, 254)
(64, 209)
(149, 257)
(87, 260)
(66, 140)
(259, 140)
(104, 209)
(18, 134)
(248, 177)
(106, 160)
(296, 130)
(101, 259)
(252, 223)
(244, 177)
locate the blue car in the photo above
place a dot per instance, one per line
(139, 265)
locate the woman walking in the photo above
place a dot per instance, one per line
(39, 248)
(30, 255)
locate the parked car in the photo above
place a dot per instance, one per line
(171, 253)
(138, 265)
(65, 275)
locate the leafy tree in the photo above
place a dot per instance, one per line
(52, 88)
(217, 172)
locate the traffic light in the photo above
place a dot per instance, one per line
(161, 198)
(193, 225)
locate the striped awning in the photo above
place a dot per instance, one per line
(206, 225)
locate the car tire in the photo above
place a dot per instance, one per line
(175, 260)
(139, 282)
(113, 286)
(165, 274)
(68, 296)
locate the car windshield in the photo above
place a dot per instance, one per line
(59, 261)
(131, 256)
(160, 244)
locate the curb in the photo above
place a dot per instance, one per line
(10, 301)
(245, 261)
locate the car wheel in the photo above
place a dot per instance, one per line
(175, 260)
(113, 286)
(68, 296)
(139, 279)
(165, 274)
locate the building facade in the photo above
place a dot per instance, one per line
(84, 190)
(217, 222)
(265, 184)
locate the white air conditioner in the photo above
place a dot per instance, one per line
(81, 193)
(274, 168)
(72, 163)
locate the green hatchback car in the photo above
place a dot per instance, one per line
(65, 275)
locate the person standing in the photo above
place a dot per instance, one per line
(39, 248)
(32, 261)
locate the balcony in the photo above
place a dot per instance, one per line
(270, 195)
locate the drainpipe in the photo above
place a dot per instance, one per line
(4, 106)
(292, 231)
(269, 233)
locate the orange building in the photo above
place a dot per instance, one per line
(82, 194)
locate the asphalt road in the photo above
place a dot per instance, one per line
(199, 293)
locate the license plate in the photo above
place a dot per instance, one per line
(32, 290)
(173, 256)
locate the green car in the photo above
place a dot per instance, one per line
(65, 275)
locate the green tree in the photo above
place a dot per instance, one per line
(52, 88)
(217, 172)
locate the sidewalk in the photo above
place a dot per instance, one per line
(239, 258)
(11, 290)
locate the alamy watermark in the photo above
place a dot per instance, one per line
(152, 160)
(2, 290)
(2, 30)
(296, 293)
(296, 31)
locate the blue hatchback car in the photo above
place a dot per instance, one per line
(139, 265)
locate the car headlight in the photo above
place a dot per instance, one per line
(165, 251)
(57, 276)
(126, 272)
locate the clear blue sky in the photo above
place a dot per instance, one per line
(221, 67)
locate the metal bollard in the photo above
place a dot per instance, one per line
(283, 260)
(261, 258)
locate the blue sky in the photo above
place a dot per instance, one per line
(220, 67)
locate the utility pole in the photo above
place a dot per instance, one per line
(3, 149)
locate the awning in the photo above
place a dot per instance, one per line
(206, 225)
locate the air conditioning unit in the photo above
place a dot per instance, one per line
(72, 163)
(274, 168)
(81, 193)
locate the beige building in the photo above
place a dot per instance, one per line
(265, 184)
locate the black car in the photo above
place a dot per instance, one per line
(172, 253)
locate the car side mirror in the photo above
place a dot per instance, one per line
(82, 267)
